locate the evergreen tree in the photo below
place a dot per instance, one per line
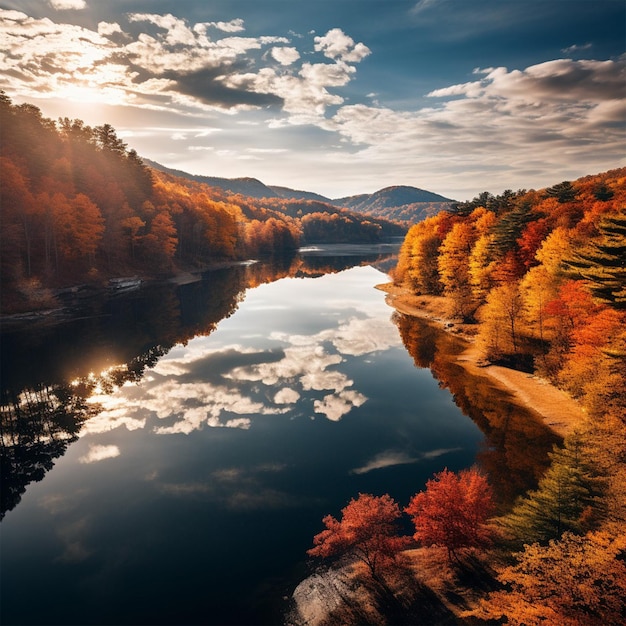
(563, 192)
(602, 262)
(567, 499)
(507, 230)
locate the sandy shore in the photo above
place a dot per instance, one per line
(558, 410)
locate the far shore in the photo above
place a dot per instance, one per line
(559, 411)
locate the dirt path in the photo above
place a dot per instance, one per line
(559, 411)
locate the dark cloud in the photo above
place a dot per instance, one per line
(206, 86)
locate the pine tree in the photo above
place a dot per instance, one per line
(602, 262)
(567, 499)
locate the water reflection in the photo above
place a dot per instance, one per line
(515, 452)
(302, 399)
(82, 372)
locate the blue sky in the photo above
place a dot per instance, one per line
(336, 96)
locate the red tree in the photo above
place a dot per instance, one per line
(453, 511)
(367, 531)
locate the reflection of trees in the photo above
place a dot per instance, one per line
(517, 443)
(35, 428)
(49, 373)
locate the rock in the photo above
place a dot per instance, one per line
(319, 595)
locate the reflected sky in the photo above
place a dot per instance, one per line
(239, 374)
(193, 495)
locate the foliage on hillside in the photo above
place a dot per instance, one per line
(544, 275)
(79, 206)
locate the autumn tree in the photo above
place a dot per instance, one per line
(367, 532)
(501, 317)
(572, 581)
(418, 261)
(481, 266)
(453, 266)
(453, 511)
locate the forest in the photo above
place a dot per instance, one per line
(540, 277)
(80, 207)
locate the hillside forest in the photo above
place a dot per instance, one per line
(543, 276)
(79, 206)
(540, 278)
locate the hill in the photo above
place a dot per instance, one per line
(397, 203)
(400, 203)
(246, 186)
(80, 207)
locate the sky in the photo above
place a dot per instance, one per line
(338, 97)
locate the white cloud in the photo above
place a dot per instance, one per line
(108, 28)
(233, 26)
(335, 44)
(286, 396)
(99, 453)
(64, 5)
(173, 64)
(285, 55)
(388, 458)
(335, 406)
(364, 336)
(577, 48)
(544, 119)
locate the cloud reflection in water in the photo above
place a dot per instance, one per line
(213, 382)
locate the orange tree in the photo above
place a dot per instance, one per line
(453, 511)
(367, 532)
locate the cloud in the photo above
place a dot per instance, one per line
(335, 44)
(424, 5)
(388, 458)
(65, 5)
(233, 26)
(391, 458)
(99, 453)
(434, 454)
(172, 63)
(489, 128)
(335, 406)
(108, 28)
(240, 489)
(577, 48)
(286, 396)
(285, 55)
(364, 336)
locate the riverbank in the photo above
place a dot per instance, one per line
(557, 409)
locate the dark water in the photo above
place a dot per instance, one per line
(168, 458)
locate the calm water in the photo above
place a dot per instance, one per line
(168, 458)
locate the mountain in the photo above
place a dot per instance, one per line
(250, 187)
(400, 203)
(286, 192)
(398, 195)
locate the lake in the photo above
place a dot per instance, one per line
(169, 453)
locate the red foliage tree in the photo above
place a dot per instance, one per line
(367, 531)
(453, 511)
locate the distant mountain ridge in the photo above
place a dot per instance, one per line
(395, 196)
(400, 202)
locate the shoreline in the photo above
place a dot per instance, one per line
(557, 410)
